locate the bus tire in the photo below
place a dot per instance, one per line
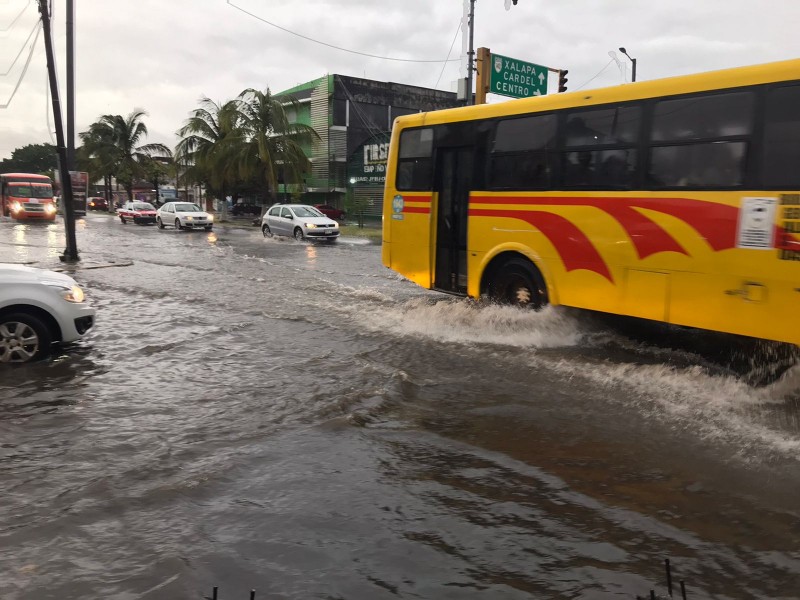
(519, 283)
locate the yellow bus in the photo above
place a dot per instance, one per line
(675, 200)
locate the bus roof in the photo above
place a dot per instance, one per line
(681, 84)
(23, 176)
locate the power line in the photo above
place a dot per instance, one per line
(24, 70)
(596, 76)
(448, 54)
(21, 50)
(17, 17)
(336, 47)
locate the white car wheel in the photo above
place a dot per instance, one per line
(23, 337)
(178, 224)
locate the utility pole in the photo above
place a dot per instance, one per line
(71, 251)
(71, 85)
(471, 52)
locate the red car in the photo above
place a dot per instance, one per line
(330, 211)
(97, 203)
(137, 211)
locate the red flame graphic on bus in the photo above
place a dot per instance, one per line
(716, 223)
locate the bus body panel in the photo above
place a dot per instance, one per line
(680, 256)
(410, 230)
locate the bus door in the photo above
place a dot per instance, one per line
(453, 185)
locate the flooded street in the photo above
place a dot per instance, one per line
(295, 418)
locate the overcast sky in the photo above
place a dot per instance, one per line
(163, 55)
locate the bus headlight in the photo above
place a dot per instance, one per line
(16, 206)
(49, 209)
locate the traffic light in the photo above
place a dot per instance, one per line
(562, 80)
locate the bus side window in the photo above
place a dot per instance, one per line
(781, 155)
(523, 153)
(700, 141)
(415, 160)
(600, 147)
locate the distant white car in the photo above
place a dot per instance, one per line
(184, 215)
(39, 308)
(299, 221)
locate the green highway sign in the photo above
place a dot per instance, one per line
(516, 78)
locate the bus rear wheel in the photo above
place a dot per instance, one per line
(518, 283)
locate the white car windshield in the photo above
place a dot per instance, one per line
(307, 211)
(187, 208)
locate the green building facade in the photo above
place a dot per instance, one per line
(353, 119)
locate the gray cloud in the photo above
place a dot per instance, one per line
(163, 55)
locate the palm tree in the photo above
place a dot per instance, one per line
(117, 139)
(271, 145)
(96, 156)
(209, 147)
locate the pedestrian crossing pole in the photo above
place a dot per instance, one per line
(71, 251)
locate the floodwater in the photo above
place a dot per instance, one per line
(294, 418)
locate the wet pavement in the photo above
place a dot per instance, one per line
(293, 417)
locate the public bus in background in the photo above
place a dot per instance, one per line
(674, 200)
(27, 196)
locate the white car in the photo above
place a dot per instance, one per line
(299, 221)
(39, 308)
(184, 215)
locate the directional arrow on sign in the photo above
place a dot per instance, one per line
(541, 78)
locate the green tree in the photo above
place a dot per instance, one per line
(97, 156)
(271, 146)
(33, 158)
(210, 146)
(116, 140)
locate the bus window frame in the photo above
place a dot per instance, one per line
(401, 160)
(752, 148)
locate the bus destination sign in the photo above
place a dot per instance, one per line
(516, 78)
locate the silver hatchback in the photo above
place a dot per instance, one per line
(299, 221)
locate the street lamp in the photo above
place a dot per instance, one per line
(633, 60)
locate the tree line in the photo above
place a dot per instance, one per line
(246, 144)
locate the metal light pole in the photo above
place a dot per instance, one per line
(633, 61)
(71, 251)
(471, 52)
(71, 85)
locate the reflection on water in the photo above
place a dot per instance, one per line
(311, 254)
(361, 438)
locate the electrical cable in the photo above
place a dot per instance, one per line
(24, 8)
(331, 45)
(453, 43)
(24, 70)
(596, 76)
(21, 50)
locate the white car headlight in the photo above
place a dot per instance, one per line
(210, 218)
(69, 293)
(311, 225)
(189, 218)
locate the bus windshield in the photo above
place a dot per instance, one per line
(30, 191)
